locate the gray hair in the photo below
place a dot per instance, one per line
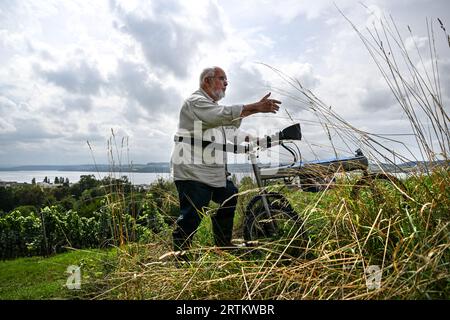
(207, 73)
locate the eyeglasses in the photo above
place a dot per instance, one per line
(221, 78)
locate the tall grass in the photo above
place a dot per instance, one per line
(407, 240)
(119, 203)
(414, 82)
(402, 235)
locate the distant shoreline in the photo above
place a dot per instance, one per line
(157, 167)
(164, 167)
(8, 178)
(160, 167)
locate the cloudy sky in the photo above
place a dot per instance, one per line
(72, 71)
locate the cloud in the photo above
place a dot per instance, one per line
(301, 74)
(444, 78)
(377, 99)
(170, 36)
(74, 70)
(76, 77)
(246, 83)
(78, 103)
(6, 105)
(135, 81)
(28, 130)
(23, 15)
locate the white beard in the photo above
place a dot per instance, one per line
(220, 94)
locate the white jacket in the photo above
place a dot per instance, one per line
(203, 120)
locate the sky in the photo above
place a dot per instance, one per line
(74, 72)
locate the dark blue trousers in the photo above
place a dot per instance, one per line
(194, 196)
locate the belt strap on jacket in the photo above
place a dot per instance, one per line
(192, 141)
(219, 146)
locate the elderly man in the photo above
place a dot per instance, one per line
(200, 180)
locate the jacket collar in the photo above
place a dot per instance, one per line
(203, 92)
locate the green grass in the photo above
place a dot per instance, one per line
(38, 278)
(408, 239)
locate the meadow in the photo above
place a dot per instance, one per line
(407, 241)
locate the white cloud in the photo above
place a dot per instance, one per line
(75, 77)
(171, 33)
(73, 70)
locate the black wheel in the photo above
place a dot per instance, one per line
(379, 188)
(281, 233)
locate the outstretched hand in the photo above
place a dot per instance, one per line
(265, 105)
(269, 105)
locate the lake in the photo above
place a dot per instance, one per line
(74, 176)
(136, 178)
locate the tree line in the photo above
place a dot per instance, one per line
(88, 214)
(57, 180)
